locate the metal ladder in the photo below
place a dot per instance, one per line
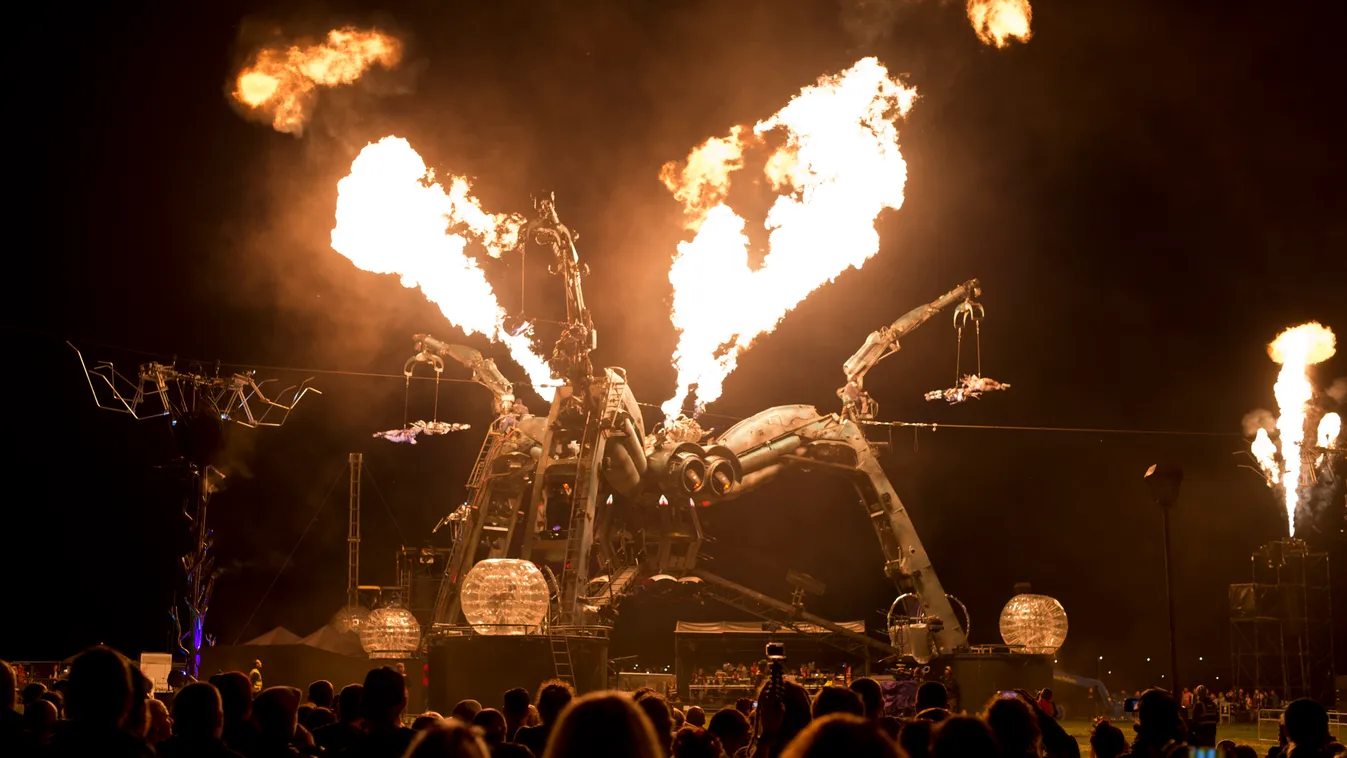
(615, 586)
(597, 426)
(561, 659)
(470, 533)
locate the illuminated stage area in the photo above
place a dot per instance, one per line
(643, 375)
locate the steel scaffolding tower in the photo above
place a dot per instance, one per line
(1281, 626)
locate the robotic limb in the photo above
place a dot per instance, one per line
(857, 404)
(484, 370)
(797, 436)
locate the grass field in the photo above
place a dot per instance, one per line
(1242, 734)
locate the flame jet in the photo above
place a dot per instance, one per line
(836, 165)
(282, 85)
(1295, 349)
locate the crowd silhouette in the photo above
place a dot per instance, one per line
(106, 708)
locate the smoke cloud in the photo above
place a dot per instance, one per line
(1338, 390)
(1259, 418)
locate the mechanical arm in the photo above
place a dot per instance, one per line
(798, 436)
(484, 370)
(856, 402)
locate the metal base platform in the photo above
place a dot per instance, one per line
(482, 667)
(984, 672)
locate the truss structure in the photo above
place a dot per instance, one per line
(161, 390)
(1281, 625)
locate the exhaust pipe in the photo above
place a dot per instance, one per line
(720, 475)
(680, 471)
(688, 472)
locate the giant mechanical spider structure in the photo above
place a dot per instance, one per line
(563, 468)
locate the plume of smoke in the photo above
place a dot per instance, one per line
(1259, 418)
(1338, 390)
(869, 21)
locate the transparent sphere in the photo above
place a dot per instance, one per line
(1035, 622)
(349, 619)
(390, 632)
(505, 596)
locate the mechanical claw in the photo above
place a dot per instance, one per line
(425, 356)
(968, 310)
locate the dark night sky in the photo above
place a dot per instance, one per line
(1148, 191)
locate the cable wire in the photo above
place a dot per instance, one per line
(286, 565)
(387, 510)
(1081, 429)
(914, 424)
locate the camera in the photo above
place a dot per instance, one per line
(776, 651)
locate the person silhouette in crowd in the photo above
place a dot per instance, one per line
(515, 707)
(657, 710)
(198, 722)
(1107, 740)
(56, 699)
(963, 737)
(695, 742)
(447, 739)
(11, 721)
(466, 711)
(161, 723)
(1205, 716)
(425, 721)
(276, 714)
(553, 697)
(841, 734)
(1307, 734)
(603, 725)
(872, 697)
(1160, 730)
(255, 676)
(915, 737)
(382, 701)
(100, 701)
(731, 727)
(492, 724)
(932, 702)
(830, 700)
(236, 697)
(335, 738)
(1015, 724)
(39, 723)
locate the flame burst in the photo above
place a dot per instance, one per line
(394, 218)
(1330, 426)
(837, 166)
(283, 84)
(996, 22)
(1296, 349)
(1265, 452)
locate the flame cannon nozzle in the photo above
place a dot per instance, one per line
(689, 469)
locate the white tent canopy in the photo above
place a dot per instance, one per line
(278, 636)
(331, 639)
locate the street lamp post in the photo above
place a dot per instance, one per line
(1164, 481)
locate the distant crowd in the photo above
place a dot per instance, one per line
(105, 708)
